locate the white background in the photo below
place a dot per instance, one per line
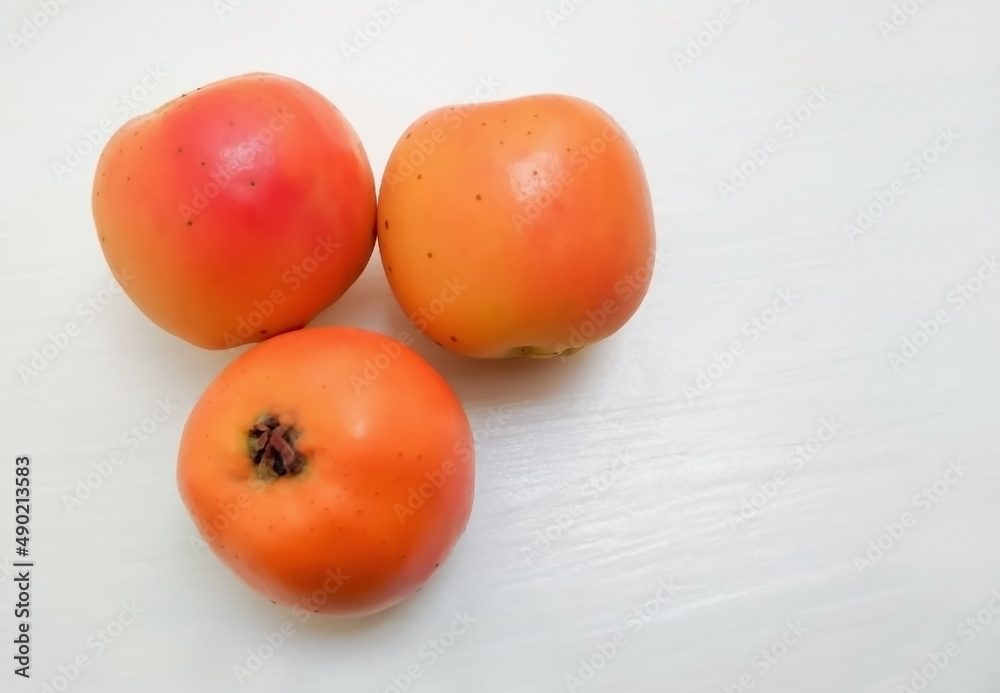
(689, 462)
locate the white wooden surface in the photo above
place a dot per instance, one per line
(686, 464)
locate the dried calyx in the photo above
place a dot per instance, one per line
(272, 448)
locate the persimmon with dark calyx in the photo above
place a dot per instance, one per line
(237, 211)
(332, 469)
(517, 228)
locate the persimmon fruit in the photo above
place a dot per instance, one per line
(237, 211)
(518, 227)
(331, 469)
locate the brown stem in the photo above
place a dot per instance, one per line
(272, 447)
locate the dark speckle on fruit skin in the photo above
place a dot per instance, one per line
(479, 197)
(386, 223)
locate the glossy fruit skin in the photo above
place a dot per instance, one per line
(520, 227)
(387, 486)
(237, 211)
